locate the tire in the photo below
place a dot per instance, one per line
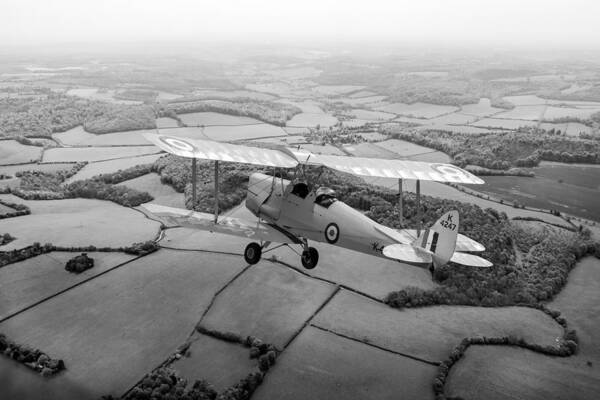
(310, 258)
(332, 233)
(252, 253)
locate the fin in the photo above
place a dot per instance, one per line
(470, 260)
(440, 239)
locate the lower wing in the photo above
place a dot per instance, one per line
(225, 225)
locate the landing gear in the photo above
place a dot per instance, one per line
(252, 253)
(310, 258)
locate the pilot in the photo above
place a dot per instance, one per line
(325, 196)
(300, 189)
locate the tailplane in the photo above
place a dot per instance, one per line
(440, 239)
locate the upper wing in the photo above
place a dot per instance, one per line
(211, 150)
(226, 225)
(390, 168)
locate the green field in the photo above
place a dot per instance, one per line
(241, 132)
(431, 333)
(321, 365)
(213, 118)
(79, 137)
(163, 194)
(269, 301)
(221, 363)
(73, 154)
(501, 372)
(107, 167)
(27, 282)
(419, 110)
(114, 329)
(13, 152)
(311, 120)
(77, 222)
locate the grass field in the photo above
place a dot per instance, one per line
(213, 118)
(447, 192)
(229, 133)
(26, 282)
(71, 154)
(481, 109)
(311, 120)
(371, 115)
(419, 110)
(107, 167)
(13, 169)
(336, 90)
(79, 137)
(269, 301)
(453, 119)
(320, 365)
(13, 152)
(362, 93)
(502, 372)
(221, 363)
(571, 128)
(431, 333)
(5, 210)
(532, 113)
(232, 94)
(112, 330)
(163, 194)
(371, 150)
(503, 123)
(413, 151)
(562, 112)
(579, 302)
(361, 101)
(77, 222)
(320, 149)
(166, 123)
(307, 106)
(455, 128)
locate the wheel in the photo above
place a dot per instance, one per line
(310, 258)
(252, 253)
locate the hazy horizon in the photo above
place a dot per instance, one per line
(509, 24)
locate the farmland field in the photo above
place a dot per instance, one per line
(453, 119)
(26, 282)
(413, 151)
(311, 120)
(109, 333)
(232, 94)
(79, 137)
(370, 150)
(419, 110)
(70, 154)
(13, 169)
(221, 363)
(334, 90)
(166, 123)
(321, 365)
(482, 109)
(322, 149)
(241, 132)
(371, 115)
(455, 128)
(13, 152)
(431, 333)
(547, 189)
(362, 101)
(213, 118)
(77, 222)
(502, 372)
(532, 113)
(553, 113)
(107, 167)
(271, 302)
(163, 194)
(511, 124)
(570, 128)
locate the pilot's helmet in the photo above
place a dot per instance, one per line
(325, 191)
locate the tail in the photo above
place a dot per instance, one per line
(440, 239)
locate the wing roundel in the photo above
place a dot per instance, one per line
(219, 151)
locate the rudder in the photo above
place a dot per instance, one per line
(440, 239)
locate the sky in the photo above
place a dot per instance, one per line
(544, 23)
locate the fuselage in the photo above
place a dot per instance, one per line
(314, 215)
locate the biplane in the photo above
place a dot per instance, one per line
(294, 212)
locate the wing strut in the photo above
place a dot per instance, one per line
(400, 199)
(194, 178)
(216, 191)
(418, 207)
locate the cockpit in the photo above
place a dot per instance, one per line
(301, 190)
(325, 197)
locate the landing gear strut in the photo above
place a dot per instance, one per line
(252, 253)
